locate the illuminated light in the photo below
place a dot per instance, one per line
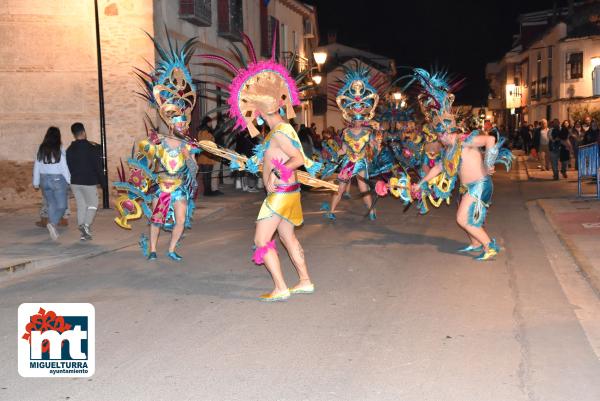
(317, 79)
(595, 62)
(320, 57)
(397, 96)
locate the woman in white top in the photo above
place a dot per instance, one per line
(50, 172)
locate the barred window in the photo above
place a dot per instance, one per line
(575, 65)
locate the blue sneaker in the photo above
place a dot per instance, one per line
(346, 195)
(470, 248)
(152, 256)
(330, 216)
(372, 215)
(174, 256)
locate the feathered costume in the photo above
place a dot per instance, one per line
(159, 173)
(265, 86)
(357, 98)
(435, 99)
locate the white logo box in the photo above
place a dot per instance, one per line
(79, 364)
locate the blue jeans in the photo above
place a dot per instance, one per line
(54, 188)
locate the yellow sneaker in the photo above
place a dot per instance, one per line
(307, 289)
(487, 255)
(282, 296)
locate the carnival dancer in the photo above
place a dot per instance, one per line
(264, 92)
(357, 99)
(475, 171)
(162, 174)
(461, 158)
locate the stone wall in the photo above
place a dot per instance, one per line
(48, 73)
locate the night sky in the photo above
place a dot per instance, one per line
(459, 35)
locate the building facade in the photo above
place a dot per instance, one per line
(49, 65)
(553, 69)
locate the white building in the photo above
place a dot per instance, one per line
(551, 70)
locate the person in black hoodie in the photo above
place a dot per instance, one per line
(85, 165)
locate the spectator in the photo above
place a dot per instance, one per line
(245, 146)
(592, 134)
(575, 138)
(525, 135)
(50, 172)
(305, 136)
(541, 143)
(316, 138)
(206, 161)
(64, 221)
(565, 148)
(84, 159)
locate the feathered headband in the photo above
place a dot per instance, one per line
(356, 94)
(169, 86)
(257, 88)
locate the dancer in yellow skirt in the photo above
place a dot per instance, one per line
(263, 92)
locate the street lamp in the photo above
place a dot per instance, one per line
(317, 79)
(320, 58)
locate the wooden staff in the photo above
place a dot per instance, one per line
(303, 176)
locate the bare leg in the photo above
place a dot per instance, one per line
(180, 208)
(363, 187)
(265, 229)
(335, 199)
(462, 218)
(154, 231)
(291, 243)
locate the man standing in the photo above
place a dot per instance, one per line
(84, 161)
(544, 150)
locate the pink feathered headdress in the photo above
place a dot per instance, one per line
(258, 88)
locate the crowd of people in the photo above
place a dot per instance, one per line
(78, 169)
(555, 144)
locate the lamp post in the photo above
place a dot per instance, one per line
(320, 57)
(105, 199)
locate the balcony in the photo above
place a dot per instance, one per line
(197, 12)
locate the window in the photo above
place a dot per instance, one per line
(265, 44)
(544, 86)
(534, 90)
(575, 65)
(231, 19)
(548, 91)
(539, 66)
(271, 28)
(197, 12)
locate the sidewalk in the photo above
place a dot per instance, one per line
(577, 223)
(27, 248)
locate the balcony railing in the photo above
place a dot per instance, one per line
(197, 12)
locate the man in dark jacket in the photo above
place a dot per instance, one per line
(85, 166)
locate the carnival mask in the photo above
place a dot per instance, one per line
(357, 99)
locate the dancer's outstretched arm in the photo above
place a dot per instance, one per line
(434, 172)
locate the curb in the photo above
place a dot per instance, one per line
(591, 274)
(24, 267)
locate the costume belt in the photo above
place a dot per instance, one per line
(283, 188)
(169, 184)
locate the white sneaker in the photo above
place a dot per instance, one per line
(250, 189)
(52, 231)
(238, 183)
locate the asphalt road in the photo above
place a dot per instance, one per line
(397, 314)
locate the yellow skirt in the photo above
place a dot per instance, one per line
(285, 205)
